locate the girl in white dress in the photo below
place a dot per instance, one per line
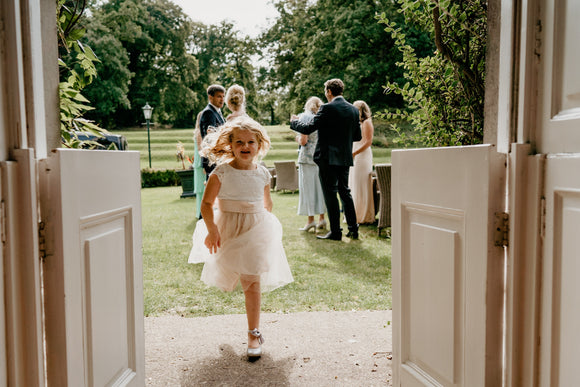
(241, 240)
(360, 181)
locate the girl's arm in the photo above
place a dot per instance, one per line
(268, 204)
(367, 136)
(212, 241)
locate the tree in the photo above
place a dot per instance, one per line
(155, 36)
(225, 57)
(445, 90)
(110, 88)
(314, 41)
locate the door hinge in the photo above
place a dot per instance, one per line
(501, 229)
(3, 221)
(542, 217)
(538, 39)
(42, 240)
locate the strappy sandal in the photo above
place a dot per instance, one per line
(256, 352)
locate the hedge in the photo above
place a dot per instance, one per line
(159, 178)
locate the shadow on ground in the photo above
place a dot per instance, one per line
(231, 369)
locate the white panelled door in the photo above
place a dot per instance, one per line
(558, 138)
(447, 272)
(91, 205)
(560, 321)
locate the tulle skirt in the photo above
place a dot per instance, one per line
(251, 245)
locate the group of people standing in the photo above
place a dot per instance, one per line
(334, 137)
(240, 241)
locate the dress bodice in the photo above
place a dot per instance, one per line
(241, 184)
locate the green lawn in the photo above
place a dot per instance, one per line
(329, 275)
(164, 141)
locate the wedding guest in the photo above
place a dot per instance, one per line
(236, 102)
(360, 181)
(310, 195)
(211, 116)
(198, 171)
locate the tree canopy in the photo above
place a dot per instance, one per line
(417, 60)
(312, 42)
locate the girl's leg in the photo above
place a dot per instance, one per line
(310, 219)
(251, 286)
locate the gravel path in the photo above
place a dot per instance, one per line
(301, 349)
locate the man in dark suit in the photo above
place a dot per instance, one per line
(211, 116)
(338, 127)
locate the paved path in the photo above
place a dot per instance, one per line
(301, 349)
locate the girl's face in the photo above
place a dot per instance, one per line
(245, 145)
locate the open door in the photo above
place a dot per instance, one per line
(558, 140)
(24, 362)
(91, 209)
(447, 271)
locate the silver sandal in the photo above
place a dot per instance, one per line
(256, 352)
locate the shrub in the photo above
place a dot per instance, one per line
(393, 133)
(159, 178)
(445, 90)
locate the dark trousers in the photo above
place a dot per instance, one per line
(207, 168)
(334, 179)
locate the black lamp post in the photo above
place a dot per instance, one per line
(147, 111)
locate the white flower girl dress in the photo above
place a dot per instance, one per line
(251, 237)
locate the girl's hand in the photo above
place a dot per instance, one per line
(213, 240)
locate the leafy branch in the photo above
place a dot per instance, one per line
(79, 73)
(443, 91)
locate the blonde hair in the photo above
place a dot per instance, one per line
(312, 105)
(217, 144)
(236, 98)
(363, 109)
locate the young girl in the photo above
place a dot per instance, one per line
(241, 241)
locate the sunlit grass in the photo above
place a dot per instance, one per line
(329, 275)
(164, 141)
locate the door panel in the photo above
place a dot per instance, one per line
(559, 338)
(560, 80)
(447, 320)
(524, 266)
(24, 337)
(3, 358)
(93, 268)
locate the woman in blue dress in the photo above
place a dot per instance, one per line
(310, 197)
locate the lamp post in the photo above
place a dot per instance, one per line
(147, 110)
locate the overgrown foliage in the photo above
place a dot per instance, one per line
(77, 70)
(444, 91)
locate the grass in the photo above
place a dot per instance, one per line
(164, 141)
(328, 275)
